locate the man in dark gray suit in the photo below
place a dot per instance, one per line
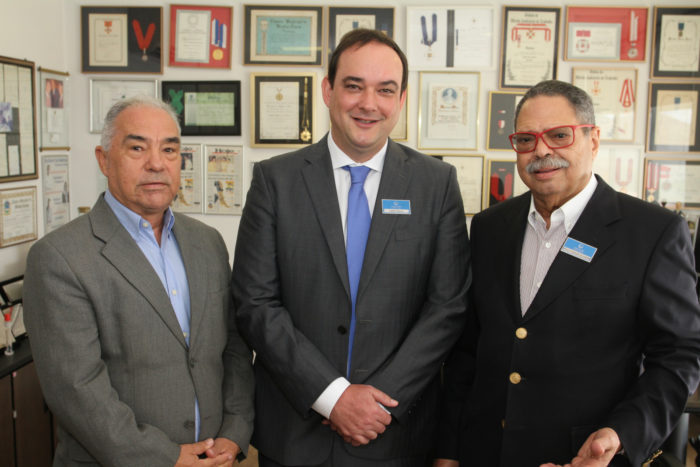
(128, 312)
(348, 351)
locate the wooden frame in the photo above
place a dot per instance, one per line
(105, 92)
(668, 181)
(673, 124)
(55, 110)
(676, 45)
(205, 108)
(200, 36)
(501, 123)
(18, 222)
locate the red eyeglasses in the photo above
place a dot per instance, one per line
(555, 138)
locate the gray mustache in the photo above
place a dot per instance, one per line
(546, 163)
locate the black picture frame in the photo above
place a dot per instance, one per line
(383, 21)
(180, 94)
(665, 131)
(671, 49)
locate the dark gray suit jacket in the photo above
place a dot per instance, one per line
(113, 364)
(290, 285)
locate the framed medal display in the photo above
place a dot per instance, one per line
(621, 166)
(121, 39)
(673, 124)
(502, 106)
(668, 181)
(502, 181)
(200, 36)
(676, 49)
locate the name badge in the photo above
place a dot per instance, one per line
(396, 206)
(579, 250)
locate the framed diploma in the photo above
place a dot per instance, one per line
(55, 191)
(121, 39)
(621, 167)
(671, 181)
(673, 124)
(676, 47)
(55, 118)
(470, 174)
(224, 187)
(344, 19)
(200, 36)
(606, 33)
(283, 35)
(189, 195)
(18, 216)
(529, 46)
(105, 92)
(502, 182)
(205, 108)
(502, 106)
(17, 125)
(448, 110)
(614, 92)
(459, 38)
(283, 109)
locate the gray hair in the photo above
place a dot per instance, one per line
(577, 97)
(109, 127)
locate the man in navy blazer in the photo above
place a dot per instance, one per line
(291, 284)
(583, 337)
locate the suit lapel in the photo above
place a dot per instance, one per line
(514, 232)
(126, 257)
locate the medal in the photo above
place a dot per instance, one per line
(143, 41)
(424, 28)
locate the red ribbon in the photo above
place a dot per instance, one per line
(144, 42)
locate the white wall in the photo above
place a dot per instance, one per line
(47, 32)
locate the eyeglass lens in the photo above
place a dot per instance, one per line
(554, 138)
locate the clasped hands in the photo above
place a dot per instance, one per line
(219, 452)
(358, 416)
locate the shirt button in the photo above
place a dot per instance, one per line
(515, 378)
(174, 292)
(538, 285)
(547, 245)
(521, 333)
(342, 330)
(189, 424)
(145, 225)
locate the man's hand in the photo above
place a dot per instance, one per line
(597, 451)
(445, 463)
(358, 417)
(189, 455)
(224, 445)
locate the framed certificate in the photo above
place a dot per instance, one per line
(502, 182)
(502, 106)
(470, 175)
(621, 167)
(671, 181)
(18, 216)
(55, 191)
(224, 176)
(121, 39)
(529, 46)
(448, 110)
(614, 92)
(206, 108)
(283, 109)
(606, 33)
(673, 124)
(459, 38)
(344, 19)
(189, 195)
(200, 36)
(283, 35)
(17, 123)
(105, 92)
(54, 106)
(676, 47)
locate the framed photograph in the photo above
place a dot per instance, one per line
(400, 131)
(18, 216)
(470, 174)
(672, 182)
(283, 35)
(200, 36)
(17, 122)
(621, 167)
(224, 179)
(55, 191)
(448, 110)
(606, 33)
(283, 109)
(121, 39)
(502, 106)
(105, 92)
(189, 196)
(529, 46)
(502, 182)
(673, 124)
(614, 94)
(55, 115)
(676, 45)
(344, 19)
(459, 38)
(205, 108)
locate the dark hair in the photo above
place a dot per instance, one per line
(577, 97)
(362, 37)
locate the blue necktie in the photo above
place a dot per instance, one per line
(358, 229)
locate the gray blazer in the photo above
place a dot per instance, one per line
(113, 364)
(290, 285)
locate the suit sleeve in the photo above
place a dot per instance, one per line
(66, 348)
(669, 323)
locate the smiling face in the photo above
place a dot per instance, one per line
(142, 165)
(568, 170)
(365, 100)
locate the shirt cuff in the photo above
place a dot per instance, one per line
(328, 398)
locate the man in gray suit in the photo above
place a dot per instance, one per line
(348, 352)
(128, 312)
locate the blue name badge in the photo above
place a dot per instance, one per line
(396, 206)
(578, 249)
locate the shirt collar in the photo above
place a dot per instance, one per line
(340, 159)
(134, 223)
(569, 212)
